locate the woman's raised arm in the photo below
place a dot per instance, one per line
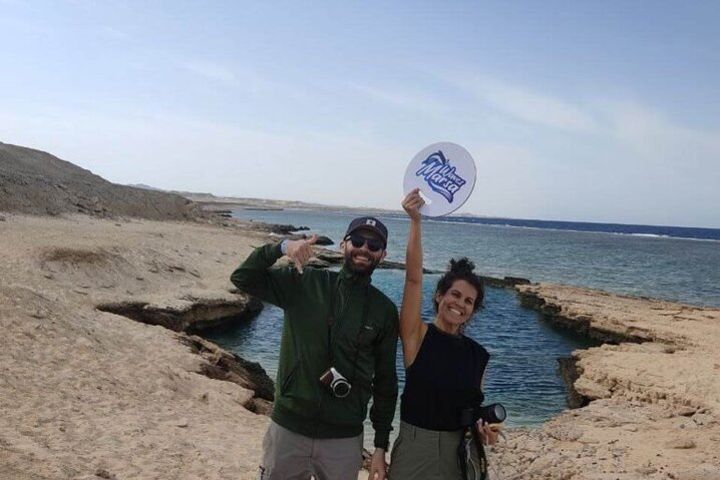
(412, 328)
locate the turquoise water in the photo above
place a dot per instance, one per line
(522, 373)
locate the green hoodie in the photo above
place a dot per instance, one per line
(302, 404)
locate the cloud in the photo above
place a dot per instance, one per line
(655, 138)
(408, 100)
(251, 82)
(603, 160)
(212, 71)
(113, 33)
(539, 109)
(526, 105)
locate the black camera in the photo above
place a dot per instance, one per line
(336, 382)
(493, 413)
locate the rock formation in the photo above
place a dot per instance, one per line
(651, 394)
(38, 183)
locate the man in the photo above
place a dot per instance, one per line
(339, 327)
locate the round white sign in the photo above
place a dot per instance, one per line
(445, 173)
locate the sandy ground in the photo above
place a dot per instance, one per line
(87, 394)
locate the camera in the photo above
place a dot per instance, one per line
(493, 413)
(336, 382)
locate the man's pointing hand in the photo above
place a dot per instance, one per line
(300, 251)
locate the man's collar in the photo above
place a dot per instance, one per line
(347, 275)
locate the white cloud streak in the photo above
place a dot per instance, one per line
(524, 104)
(407, 100)
(209, 70)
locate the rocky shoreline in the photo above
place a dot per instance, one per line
(101, 380)
(650, 393)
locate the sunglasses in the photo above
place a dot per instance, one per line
(373, 244)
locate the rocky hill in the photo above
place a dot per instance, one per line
(39, 183)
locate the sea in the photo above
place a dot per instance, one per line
(672, 263)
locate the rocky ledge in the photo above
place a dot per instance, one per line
(651, 392)
(199, 312)
(192, 313)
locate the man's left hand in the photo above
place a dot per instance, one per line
(378, 465)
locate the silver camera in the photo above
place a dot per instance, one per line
(336, 382)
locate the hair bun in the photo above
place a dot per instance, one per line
(464, 265)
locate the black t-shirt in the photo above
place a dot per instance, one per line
(444, 379)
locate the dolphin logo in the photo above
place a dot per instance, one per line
(441, 176)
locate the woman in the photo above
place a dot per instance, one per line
(444, 368)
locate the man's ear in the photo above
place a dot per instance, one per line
(382, 257)
(342, 246)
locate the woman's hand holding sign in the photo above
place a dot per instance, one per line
(412, 203)
(300, 251)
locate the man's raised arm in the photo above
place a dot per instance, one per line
(254, 276)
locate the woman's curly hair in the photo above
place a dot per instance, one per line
(460, 270)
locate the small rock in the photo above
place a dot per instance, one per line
(685, 411)
(702, 419)
(567, 434)
(49, 276)
(646, 470)
(140, 279)
(680, 443)
(2, 219)
(323, 240)
(182, 423)
(102, 473)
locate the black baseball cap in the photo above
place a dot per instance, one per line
(369, 223)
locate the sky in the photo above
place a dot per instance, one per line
(582, 111)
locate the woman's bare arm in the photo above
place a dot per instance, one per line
(412, 328)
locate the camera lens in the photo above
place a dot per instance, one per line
(493, 413)
(341, 388)
(499, 413)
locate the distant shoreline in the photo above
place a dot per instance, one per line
(647, 231)
(210, 201)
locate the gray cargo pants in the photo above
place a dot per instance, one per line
(425, 454)
(291, 456)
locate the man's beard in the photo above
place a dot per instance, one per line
(365, 270)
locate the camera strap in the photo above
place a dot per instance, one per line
(331, 320)
(363, 322)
